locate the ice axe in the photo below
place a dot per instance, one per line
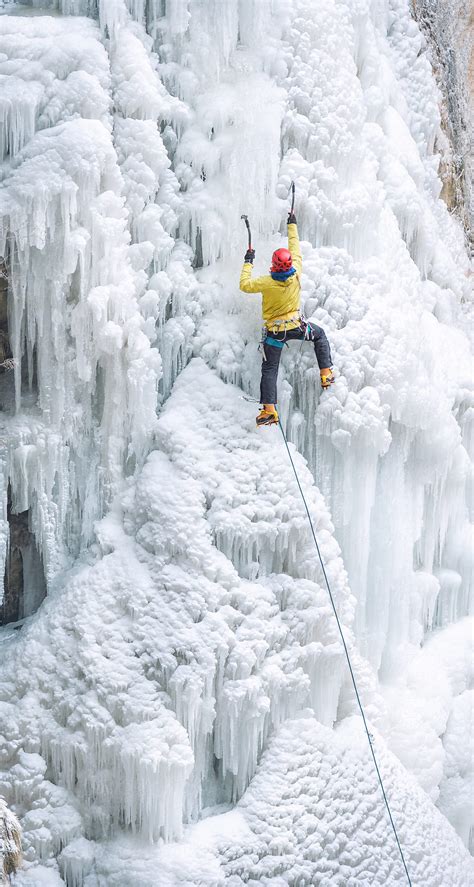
(292, 187)
(247, 224)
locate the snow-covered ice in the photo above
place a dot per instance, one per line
(179, 710)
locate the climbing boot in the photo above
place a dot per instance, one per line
(267, 417)
(327, 377)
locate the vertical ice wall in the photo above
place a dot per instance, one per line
(137, 238)
(385, 273)
(75, 325)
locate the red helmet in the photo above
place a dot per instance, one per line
(281, 260)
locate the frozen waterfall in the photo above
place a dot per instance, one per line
(176, 708)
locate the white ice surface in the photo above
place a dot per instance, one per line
(231, 656)
(195, 627)
(311, 816)
(431, 721)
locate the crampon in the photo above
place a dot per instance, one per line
(267, 417)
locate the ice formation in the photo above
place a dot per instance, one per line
(186, 660)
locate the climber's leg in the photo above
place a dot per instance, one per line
(322, 351)
(268, 386)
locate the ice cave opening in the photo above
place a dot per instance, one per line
(24, 580)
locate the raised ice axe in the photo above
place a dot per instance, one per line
(247, 223)
(292, 186)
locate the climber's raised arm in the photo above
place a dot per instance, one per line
(294, 243)
(247, 284)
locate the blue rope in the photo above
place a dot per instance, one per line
(346, 651)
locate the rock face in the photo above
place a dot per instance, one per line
(10, 843)
(449, 27)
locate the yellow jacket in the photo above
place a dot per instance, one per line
(281, 298)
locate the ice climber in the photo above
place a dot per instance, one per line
(282, 319)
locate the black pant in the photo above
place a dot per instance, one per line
(271, 361)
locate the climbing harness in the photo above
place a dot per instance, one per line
(269, 340)
(346, 651)
(274, 327)
(266, 339)
(275, 342)
(276, 324)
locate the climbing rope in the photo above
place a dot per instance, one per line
(346, 651)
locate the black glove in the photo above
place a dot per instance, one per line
(291, 219)
(249, 256)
